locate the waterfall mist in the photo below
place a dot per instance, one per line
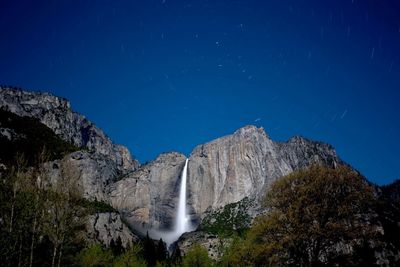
(182, 221)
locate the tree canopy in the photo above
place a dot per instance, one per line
(315, 217)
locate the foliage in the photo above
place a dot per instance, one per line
(311, 213)
(116, 246)
(197, 256)
(95, 206)
(387, 208)
(41, 225)
(237, 254)
(176, 257)
(228, 221)
(149, 250)
(99, 256)
(95, 256)
(65, 217)
(31, 137)
(161, 251)
(130, 258)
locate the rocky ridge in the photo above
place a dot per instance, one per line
(56, 113)
(221, 172)
(93, 171)
(245, 163)
(98, 164)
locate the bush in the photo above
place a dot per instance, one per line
(95, 206)
(228, 221)
(130, 258)
(197, 256)
(95, 256)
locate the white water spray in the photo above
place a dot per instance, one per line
(182, 220)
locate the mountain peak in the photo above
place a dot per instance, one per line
(250, 130)
(11, 97)
(55, 112)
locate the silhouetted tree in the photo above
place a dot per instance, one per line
(176, 256)
(149, 250)
(116, 246)
(162, 253)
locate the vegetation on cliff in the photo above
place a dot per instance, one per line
(228, 221)
(28, 136)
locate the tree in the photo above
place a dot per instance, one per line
(39, 218)
(197, 256)
(24, 210)
(130, 258)
(17, 178)
(16, 211)
(176, 257)
(149, 251)
(313, 215)
(116, 246)
(65, 217)
(161, 251)
(237, 253)
(94, 256)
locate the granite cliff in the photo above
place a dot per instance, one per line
(99, 162)
(56, 113)
(224, 171)
(148, 197)
(245, 163)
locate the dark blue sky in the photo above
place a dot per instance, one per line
(168, 75)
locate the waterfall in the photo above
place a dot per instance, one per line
(182, 221)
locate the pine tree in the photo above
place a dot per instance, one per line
(162, 253)
(149, 251)
(176, 257)
(116, 246)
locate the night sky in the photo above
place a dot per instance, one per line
(169, 75)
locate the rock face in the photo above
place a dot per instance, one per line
(148, 196)
(245, 163)
(93, 171)
(223, 171)
(104, 227)
(99, 164)
(214, 245)
(56, 113)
